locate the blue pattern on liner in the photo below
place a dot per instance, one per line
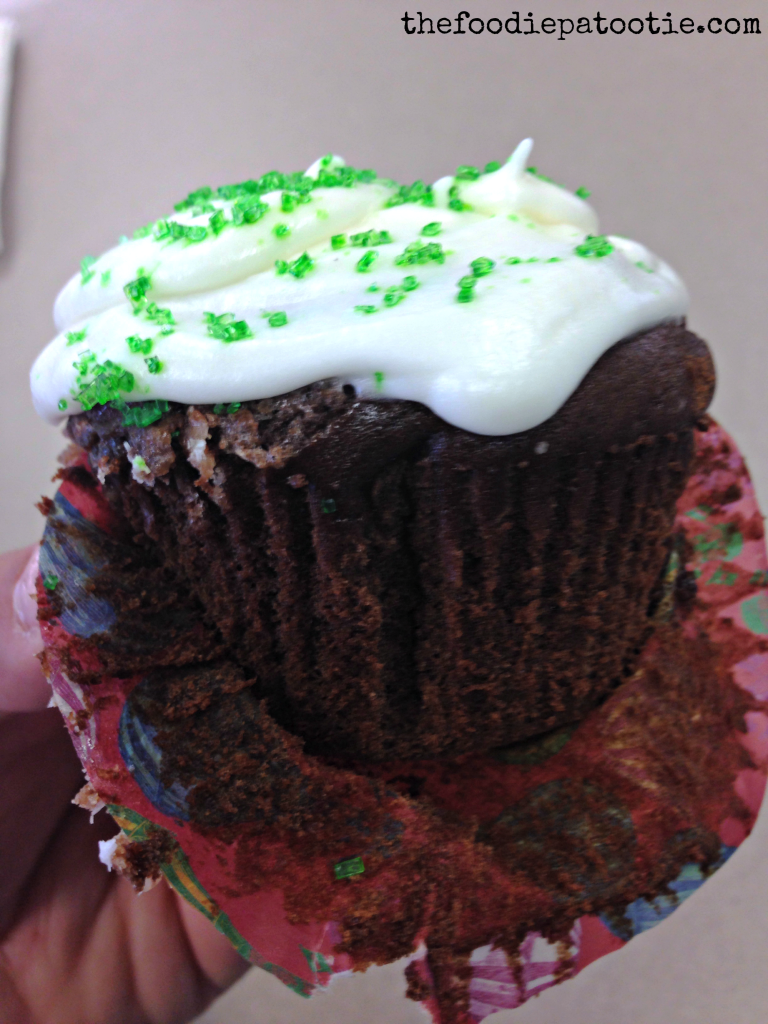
(74, 550)
(644, 914)
(143, 758)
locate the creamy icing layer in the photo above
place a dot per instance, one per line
(487, 296)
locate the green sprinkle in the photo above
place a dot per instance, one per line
(108, 381)
(281, 267)
(467, 282)
(433, 228)
(143, 232)
(370, 238)
(348, 868)
(163, 317)
(409, 283)
(467, 173)
(222, 408)
(378, 377)
(199, 197)
(537, 174)
(281, 230)
(63, 404)
(338, 241)
(136, 290)
(288, 202)
(554, 259)
(322, 215)
(225, 328)
(327, 505)
(514, 260)
(365, 309)
(51, 581)
(247, 210)
(525, 280)
(217, 222)
(418, 192)
(278, 319)
(139, 345)
(366, 261)
(153, 364)
(491, 166)
(420, 252)
(86, 273)
(372, 288)
(142, 414)
(466, 294)
(393, 295)
(455, 201)
(173, 231)
(594, 245)
(301, 265)
(582, 193)
(140, 463)
(644, 266)
(106, 278)
(482, 266)
(73, 337)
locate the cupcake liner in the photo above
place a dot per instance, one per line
(498, 874)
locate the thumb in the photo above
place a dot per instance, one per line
(23, 686)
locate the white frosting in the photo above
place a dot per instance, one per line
(501, 363)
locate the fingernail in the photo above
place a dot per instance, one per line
(24, 599)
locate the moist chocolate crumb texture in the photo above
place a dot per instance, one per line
(373, 475)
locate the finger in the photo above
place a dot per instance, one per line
(23, 686)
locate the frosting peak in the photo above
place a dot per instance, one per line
(487, 296)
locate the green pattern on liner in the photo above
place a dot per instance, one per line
(348, 868)
(316, 961)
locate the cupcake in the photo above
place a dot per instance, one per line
(408, 457)
(390, 589)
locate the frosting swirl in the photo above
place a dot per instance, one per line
(487, 297)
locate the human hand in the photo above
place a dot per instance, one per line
(77, 945)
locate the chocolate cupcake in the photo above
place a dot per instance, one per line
(410, 455)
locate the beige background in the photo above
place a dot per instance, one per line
(122, 106)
